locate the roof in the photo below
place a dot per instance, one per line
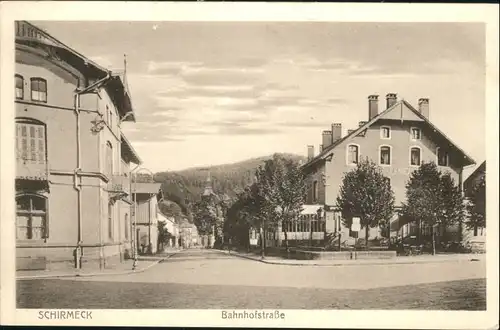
(29, 34)
(327, 151)
(476, 173)
(145, 188)
(129, 150)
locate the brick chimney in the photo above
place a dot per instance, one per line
(362, 123)
(391, 99)
(336, 132)
(310, 152)
(327, 139)
(320, 148)
(423, 107)
(372, 106)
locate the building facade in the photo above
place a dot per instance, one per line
(472, 183)
(398, 138)
(145, 198)
(72, 159)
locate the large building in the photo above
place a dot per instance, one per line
(398, 138)
(73, 161)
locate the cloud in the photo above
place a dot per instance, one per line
(222, 77)
(243, 130)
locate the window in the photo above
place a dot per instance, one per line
(385, 132)
(110, 220)
(109, 159)
(31, 217)
(416, 133)
(385, 155)
(315, 191)
(415, 156)
(30, 142)
(38, 89)
(442, 157)
(352, 154)
(19, 87)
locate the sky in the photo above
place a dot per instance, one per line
(208, 93)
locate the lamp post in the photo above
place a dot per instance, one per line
(136, 239)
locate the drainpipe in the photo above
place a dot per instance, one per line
(78, 169)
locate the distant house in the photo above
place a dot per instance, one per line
(398, 139)
(470, 184)
(146, 197)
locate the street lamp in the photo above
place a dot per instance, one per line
(136, 239)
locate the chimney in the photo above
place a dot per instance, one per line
(327, 139)
(423, 107)
(391, 99)
(310, 152)
(372, 106)
(362, 123)
(336, 132)
(320, 148)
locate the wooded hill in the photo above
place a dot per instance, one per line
(185, 187)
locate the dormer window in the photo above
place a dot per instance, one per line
(416, 133)
(385, 132)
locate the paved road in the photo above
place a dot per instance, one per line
(213, 279)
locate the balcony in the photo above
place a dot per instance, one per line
(119, 184)
(32, 170)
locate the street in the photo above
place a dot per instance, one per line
(199, 279)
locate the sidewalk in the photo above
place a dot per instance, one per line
(397, 260)
(144, 263)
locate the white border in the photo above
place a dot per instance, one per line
(196, 11)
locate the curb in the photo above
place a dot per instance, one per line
(357, 264)
(155, 262)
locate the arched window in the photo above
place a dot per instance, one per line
(385, 155)
(19, 87)
(415, 156)
(31, 217)
(31, 141)
(109, 159)
(39, 89)
(352, 154)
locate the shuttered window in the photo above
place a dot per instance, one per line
(19, 87)
(31, 142)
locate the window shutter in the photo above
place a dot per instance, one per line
(41, 144)
(24, 141)
(32, 146)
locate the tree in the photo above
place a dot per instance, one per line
(476, 207)
(163, 235)
(366, 193)
(433, 199)
(285, 190)
(205, 216)
(452, 204)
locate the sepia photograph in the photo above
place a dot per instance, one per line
(249, 167)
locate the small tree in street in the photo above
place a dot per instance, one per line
(366, 193)
(476, 207)
(163, 235)
(432, 199)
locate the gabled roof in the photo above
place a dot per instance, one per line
(327, 151)
(481, 168)
(116, 86)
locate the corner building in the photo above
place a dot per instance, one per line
(72, 159)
